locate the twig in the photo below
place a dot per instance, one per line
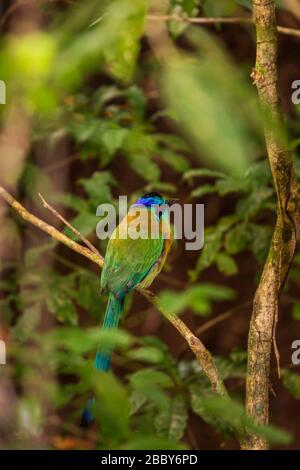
(52, 231)
(202, 354)
(288, 31)
(223, 316)
(61, 163)
(214, 321)
(203, 20)
(220, 20)
(283, 245)
(74, 230)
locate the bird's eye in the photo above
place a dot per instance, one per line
(158, 211)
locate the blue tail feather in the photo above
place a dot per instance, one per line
(111, 320)
(102, 360)
(87, 415)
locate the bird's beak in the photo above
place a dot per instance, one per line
(170, 202)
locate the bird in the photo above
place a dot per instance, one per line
(132, 261)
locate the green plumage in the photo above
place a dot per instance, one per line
(129, 262)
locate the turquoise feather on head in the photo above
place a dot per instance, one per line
(155, 200)
(151, 199)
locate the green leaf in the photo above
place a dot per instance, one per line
(85, 223)
(259, 199)
(229, 369)
(260, 240)
(111, 408)
(100, 137)
(203, 190)
(215, 292)
(137, 100)
(173, 142)
(139, 148)
(238, 356)
(172, 301)
(110, 36)
(237, 238)
(113, 140)
(32, 255)
(77, 341)
(175, 161)
(208, 107)
(296, 311)
(203, 172)
(87, 293)
(220, 8)
(197, 297)
(121, 55)
(245, 3)
(171, 422)
(144, 166)
(182, 9)
(151, 386)
(198, 396)
(30, 416)
(226, 264)
(137, 401)
(64, 311)
(160, 186)
(146, 354)
(212, 246)
(213, 238)
(230, 185)
(152, 443)
(28, 322)
(98, 186)
(291, 381)
(59, 299)
(150, 376)
(76, 203)
(35, 180)
(226, 412)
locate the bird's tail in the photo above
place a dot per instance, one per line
(102, 360)
(111, 320)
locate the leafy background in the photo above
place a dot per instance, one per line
(110, 114)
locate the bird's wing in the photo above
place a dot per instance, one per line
(157, 267)
(128, 260)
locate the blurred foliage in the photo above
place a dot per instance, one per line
(221, 121)
(198, 297)
(188, 126)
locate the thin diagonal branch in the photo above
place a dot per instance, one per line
(74, 230)
(202, 354)
(52, 231)
(221, 20)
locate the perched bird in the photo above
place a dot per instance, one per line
(136, 253)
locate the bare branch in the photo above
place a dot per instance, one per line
(74, 230)
(52, 231)
(220, 20)
(202, 354)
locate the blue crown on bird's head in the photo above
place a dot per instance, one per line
(154, 199)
